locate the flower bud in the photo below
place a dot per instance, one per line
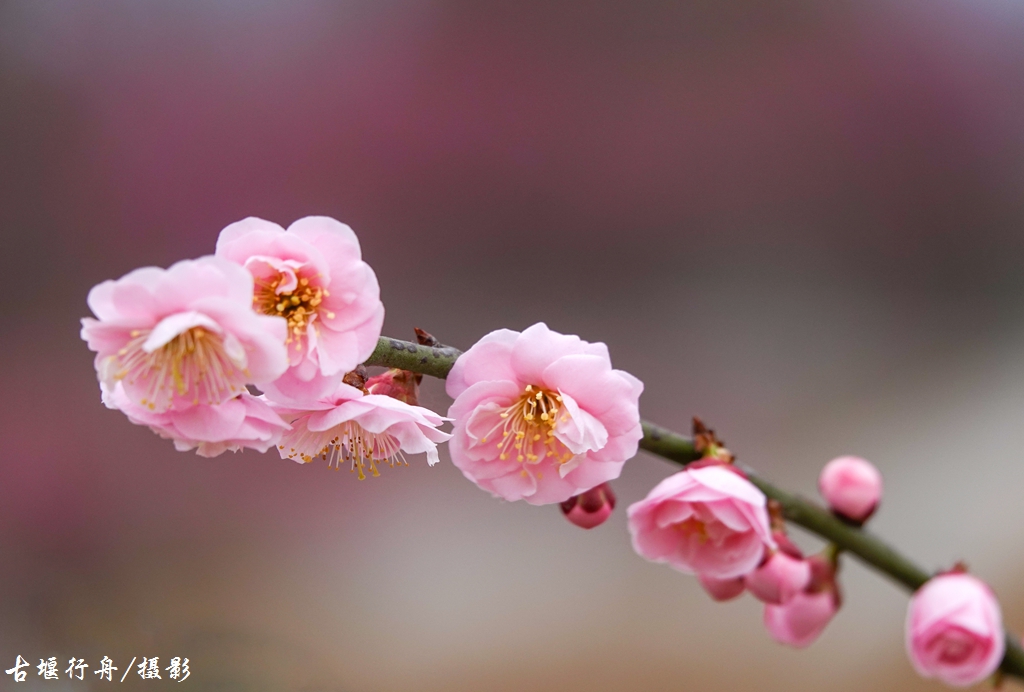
(722, 589)
(799, 622)
(852, 487)
(955, 630)
(801, 619)
(397, 384)
(591, 508)
(779, 578)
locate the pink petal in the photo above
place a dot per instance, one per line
(536, 348)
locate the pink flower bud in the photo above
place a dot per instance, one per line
(397, 384)
(591, 508)
(799, 622)
(955, 630)
(779, 578)
(852, 487)
(722, 589)
(801, 619)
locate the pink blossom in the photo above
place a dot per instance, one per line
(801, 619)
(244, 421)
(710, 521)
(314, 277)
(955, 630)
(361, 429)
(183, 336)
(852, 487)
(779, 578)
(722, 589)
(541, 416)
(591, 508)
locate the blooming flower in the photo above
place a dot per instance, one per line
(710, 521)
(314, 277)
(244, 421)
(183, 336)
(955, 630)
(541, 416)
(363, 430)
(852, 487)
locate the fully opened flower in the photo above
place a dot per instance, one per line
(210, 429)
(709, 521)
(179, 337)
(362, 430)
(955, 630)
(314, 277)
(541, 416)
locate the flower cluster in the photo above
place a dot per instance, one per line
(289, 312)
(537, 416)
(711, 521)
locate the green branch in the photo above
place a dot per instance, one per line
(437, 362)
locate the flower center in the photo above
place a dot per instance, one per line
(350, 443)
(194, 364)
(957, 646)
(693, 527)
(297, 306)
(526, 429)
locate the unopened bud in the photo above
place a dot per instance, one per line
(397, 384)
(591, 508)
(800, 620)
(852, 487)
(722, 589)
(779, 578)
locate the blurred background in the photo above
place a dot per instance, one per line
(803, 221)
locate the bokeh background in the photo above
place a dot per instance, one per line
(803, 221)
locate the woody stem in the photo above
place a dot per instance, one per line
(438, 361)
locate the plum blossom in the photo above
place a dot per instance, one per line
(314, 277)
(779, 578)
(184, 336)
(955, 630)
(541, 416)
(210, 429)
(591, 508)
(801, 618)
(723, 589)
(852, 487)
(360, 429)
(709, 521)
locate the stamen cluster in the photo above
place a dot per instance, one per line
(527, 428)
(298, 307)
